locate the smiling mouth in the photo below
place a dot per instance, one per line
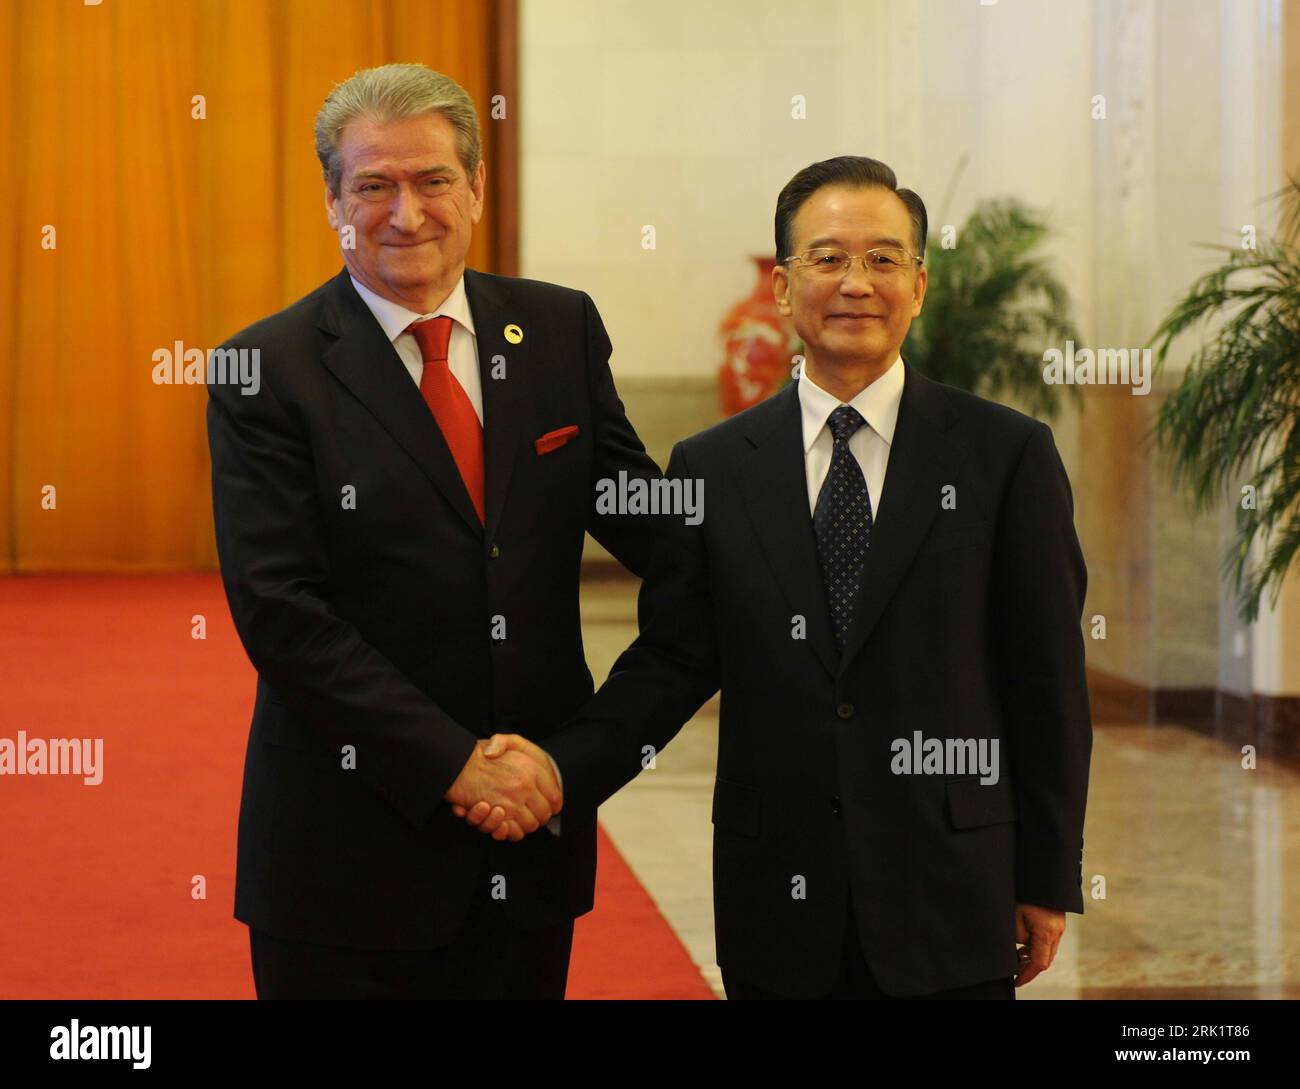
(855, 317)
(408, 245)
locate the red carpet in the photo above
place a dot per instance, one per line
(96, 882)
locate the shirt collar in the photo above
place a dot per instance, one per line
(394, 318)
(877, 404)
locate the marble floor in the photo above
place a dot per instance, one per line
(1186, 859)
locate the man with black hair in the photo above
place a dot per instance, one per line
(887, 587)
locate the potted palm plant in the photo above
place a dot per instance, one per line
(1235, 410)
(992, 305)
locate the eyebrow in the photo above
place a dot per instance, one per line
(441, 168)
(827, 240)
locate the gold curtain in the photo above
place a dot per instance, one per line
(131, 225)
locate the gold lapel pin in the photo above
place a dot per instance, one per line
(514, 334)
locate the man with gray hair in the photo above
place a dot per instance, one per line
(400, 513)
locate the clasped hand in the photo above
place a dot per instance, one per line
(507, 788)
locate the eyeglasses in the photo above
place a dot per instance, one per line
(831, 262)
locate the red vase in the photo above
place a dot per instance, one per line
(758, 344)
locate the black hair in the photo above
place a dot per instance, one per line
(851, 170)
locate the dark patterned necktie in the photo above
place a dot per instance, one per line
(842, 522)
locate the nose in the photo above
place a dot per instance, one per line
(856, 281)
(406, 215)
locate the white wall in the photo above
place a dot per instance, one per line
(678, 114)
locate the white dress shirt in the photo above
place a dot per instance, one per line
(878, 405)
(462, 349)
(462, 360)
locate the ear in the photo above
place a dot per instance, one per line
(918, 289)
(331, 211)
(476, 188)
(781, 289)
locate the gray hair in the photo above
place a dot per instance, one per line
(387, 93)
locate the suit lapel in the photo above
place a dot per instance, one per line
(922, 460)
(506, 409)
(364, 360)
(775, 488)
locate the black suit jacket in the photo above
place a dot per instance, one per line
(372, 627)
(968, 626)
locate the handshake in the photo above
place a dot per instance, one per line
(507, 789)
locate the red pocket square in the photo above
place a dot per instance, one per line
(553, 440)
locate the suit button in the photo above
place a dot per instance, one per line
(844, 710)
(835, 804)
(494, 552)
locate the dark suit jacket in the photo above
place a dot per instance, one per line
(372, 627)
(968, 626)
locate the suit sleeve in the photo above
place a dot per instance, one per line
(275, 567)
(659, 682)
(1040, 588)
(629, 538)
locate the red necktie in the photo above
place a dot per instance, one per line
(451, 406)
